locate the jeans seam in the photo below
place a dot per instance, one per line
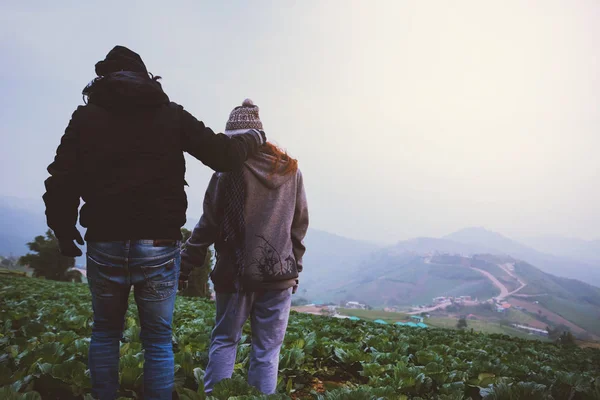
(98, 262)
(103, 254)
(171, 254)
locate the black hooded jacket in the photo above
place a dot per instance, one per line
(122, 153)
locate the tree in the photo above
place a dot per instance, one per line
(299, 301)
(561, 334)
(462, 323)
(198, 282)
(47, 262)
(566, 339)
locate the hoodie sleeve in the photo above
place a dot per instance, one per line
(205, 232)
(217, 151)
(62, 187)
(299, 223)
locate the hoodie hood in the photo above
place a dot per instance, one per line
(261, 166)
(125, 90)
(120, 58)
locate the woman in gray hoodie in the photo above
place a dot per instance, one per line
(257, 218)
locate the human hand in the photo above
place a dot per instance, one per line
(183, 283)
(67, 247)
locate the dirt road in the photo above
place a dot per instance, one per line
(504, 293)
(496, 282)
(429, 309)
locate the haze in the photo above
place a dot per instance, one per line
(408, 118)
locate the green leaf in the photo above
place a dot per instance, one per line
(188, 394)
(131, 369)
(235, 386)
(73, 373)
(199, 378)
(186, 361)
(8, 393)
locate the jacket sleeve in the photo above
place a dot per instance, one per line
(62, 187)
(218, 151)
(205, 232)
(299, 223)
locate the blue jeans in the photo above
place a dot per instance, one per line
(269, 312)
(153, 271)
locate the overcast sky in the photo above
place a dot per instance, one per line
(408, 118)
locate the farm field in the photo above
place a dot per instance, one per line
(372, 315)
(481, 326)
(46, 325)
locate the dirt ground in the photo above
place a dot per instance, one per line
(308, 309)
(533, 308)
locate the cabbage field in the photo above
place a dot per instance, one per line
(45, 328)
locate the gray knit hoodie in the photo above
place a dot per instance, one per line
(276, 217)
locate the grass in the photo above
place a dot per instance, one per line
(481, 326)
(515, 316)
(520, 317)
(371, 315)
(583, 315)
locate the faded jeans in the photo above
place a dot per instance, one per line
(153, 271)
(269, 312)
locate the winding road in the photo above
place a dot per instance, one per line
(504, 292)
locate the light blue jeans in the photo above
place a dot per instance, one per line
(152, 268)
(269, 312)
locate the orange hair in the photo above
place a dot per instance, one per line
(280, 155)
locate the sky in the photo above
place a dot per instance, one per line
(408, 118)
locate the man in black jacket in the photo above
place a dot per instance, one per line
(122, 153)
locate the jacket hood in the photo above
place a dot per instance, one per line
(261, 165)
(125, 90)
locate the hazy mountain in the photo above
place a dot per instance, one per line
(481, 237)
(391, 277)
(586, 250)
(19, 224)
(329, 260)
(574, 267)
(429, 245)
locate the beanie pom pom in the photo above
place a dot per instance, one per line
(247, 103)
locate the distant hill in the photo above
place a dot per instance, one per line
(18, 225)
(391, 277)
(330, 259)
(585, 250)
(495, 243)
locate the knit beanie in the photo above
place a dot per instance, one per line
(243, 118)
(120, 58)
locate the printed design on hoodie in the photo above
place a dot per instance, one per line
(268, 262)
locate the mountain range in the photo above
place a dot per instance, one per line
(338, 267)
(333, 255)
(472, 262)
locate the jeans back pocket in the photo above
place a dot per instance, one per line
(160, 281)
